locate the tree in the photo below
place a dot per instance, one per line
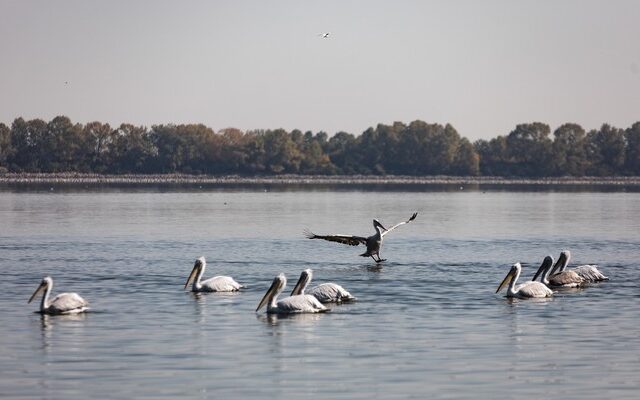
(99, 139)
(529, 150)
(632, 157)
(606, 150)
(5, 147)
(568, 149)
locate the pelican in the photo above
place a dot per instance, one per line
(64, 303)
(325, 293)
(302, 303)
(215, 284)
(559, 277)
(589, 273)
(373, 242)
(526, 290)
(543, 270)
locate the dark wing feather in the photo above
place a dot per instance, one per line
(344, 239)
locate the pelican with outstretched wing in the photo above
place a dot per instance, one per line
(64, 303)
(525, 290)
(215, 284)
(373, 242)
(588, 272)
(325, 293)
(302, 303)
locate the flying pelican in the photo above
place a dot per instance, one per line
(215, 284)
(373, 242)
(325, 293)
(64, 303)
(523, 291)
(589, 273)
(302, 303)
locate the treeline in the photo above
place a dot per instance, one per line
(418, 148)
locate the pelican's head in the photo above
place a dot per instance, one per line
(377, 224)
(197, 267)
(44, 284)
(563, 261)
(279, 282)
(305, 278)
(515, 269)
(546, 264)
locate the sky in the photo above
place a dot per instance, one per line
(482, 66)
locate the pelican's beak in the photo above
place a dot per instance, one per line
(297, 289)
(268, 295)
(38, 290)
(191, 275)
(376, 222)
(546, 263)
(562, 259)
(505, 280)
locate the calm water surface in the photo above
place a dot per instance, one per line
(427, 324)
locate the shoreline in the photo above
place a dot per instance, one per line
(100, 179)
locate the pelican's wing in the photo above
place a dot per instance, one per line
(533, 289)
(221, 284)
(67, 302)
(302, 303)
(330, 292)
(590, 273)
(566, 278)
(344, 239)
(401, 223)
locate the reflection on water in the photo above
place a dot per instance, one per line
(427, 323)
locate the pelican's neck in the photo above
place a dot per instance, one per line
(545, 275)
(196, 282)
(44, 303)
(514, 279)
(273, 299)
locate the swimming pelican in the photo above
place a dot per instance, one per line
(64, 303)
(559, 277)
(325, 293)
(373, 242)
(215, 284)
(589, 273)
(523, 291)
(302, 303)
(543, 270)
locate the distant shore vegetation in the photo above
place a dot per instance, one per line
(419, 148)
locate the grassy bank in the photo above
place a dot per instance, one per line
(87, 179)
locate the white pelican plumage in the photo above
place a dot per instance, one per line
(64, 303)
(325, 292)
(523, 291)
(373, 242)
(589, 273)
(302, 303)
(215, 284)
(559, 277)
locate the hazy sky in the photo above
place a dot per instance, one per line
(482, 66)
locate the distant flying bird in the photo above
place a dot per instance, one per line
(325, 293)
(373, 242)
(324, 35)
(64, 303)
(302, 303)
(215, 284)
(526, 290)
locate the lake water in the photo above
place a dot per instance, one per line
(427, 323)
